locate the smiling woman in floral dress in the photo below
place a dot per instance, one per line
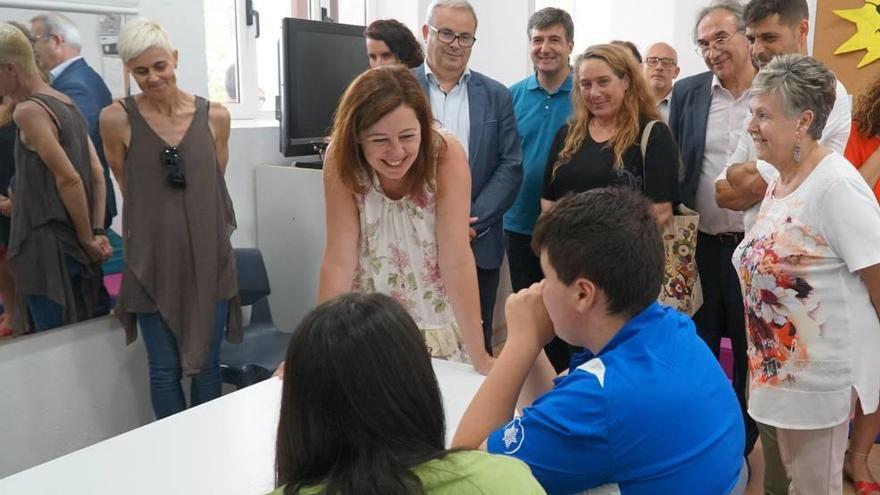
(397, 196)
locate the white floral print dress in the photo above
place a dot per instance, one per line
(813, 333)
(397, 256)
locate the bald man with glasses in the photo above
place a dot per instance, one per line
(660, 69)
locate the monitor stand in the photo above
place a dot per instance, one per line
(308, 161)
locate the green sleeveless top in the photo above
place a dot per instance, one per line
(468, 472)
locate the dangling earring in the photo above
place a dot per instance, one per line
(797, 148)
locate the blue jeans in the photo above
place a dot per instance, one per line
(163, 357)
(45, 313)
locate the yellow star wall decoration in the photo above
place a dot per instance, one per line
(867, 37)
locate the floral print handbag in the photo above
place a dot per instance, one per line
(681, 287)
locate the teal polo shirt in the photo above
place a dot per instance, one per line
(539, 115)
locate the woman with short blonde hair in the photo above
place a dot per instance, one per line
(168, 150)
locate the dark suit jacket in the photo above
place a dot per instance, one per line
(495, 156)
(688, 117)
(87, 90)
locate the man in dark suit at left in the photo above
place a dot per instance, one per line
(57, 46)
(478, 110)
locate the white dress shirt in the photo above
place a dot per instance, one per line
(723, 129)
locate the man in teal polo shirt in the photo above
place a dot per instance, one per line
(541, 104)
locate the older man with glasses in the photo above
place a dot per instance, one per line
(706, 115)
(660, 69)
(479, 112)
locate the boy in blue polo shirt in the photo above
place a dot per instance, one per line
(645, 409)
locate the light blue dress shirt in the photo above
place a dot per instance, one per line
(451, 110)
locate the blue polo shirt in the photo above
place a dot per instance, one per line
(539, 115)
(651, 414)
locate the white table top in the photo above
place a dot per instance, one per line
(226, 446)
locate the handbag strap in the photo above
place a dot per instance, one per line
(646, 135)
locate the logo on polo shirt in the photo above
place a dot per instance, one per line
(513, 436)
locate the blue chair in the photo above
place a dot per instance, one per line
(263, 345)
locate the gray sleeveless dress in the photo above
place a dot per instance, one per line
(178, 257)
(42, 234)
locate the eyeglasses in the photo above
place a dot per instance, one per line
(173, 162)
(35, 39)
(717, 44)
(448, 36)
(664, 61)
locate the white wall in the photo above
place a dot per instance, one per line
(248, 148)
(501, 51)
(65, 389)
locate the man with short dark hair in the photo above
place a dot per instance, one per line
(541, 104)
(479, 112)
(645, 408)
(660, 69)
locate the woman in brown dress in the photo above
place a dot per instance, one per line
(56, 239)
(168, 152)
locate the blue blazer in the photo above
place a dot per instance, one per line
(495, 156)
(688, 117)
(87, 90)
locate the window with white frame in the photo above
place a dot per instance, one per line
(243, 67)
(221, 19)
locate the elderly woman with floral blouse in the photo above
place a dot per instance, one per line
(810, 273)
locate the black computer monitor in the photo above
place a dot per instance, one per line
(318, 61)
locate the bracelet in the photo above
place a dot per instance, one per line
(99, 232)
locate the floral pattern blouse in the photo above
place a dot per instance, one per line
(812, 330)
(397, 255)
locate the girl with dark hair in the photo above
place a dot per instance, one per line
(361, 411)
